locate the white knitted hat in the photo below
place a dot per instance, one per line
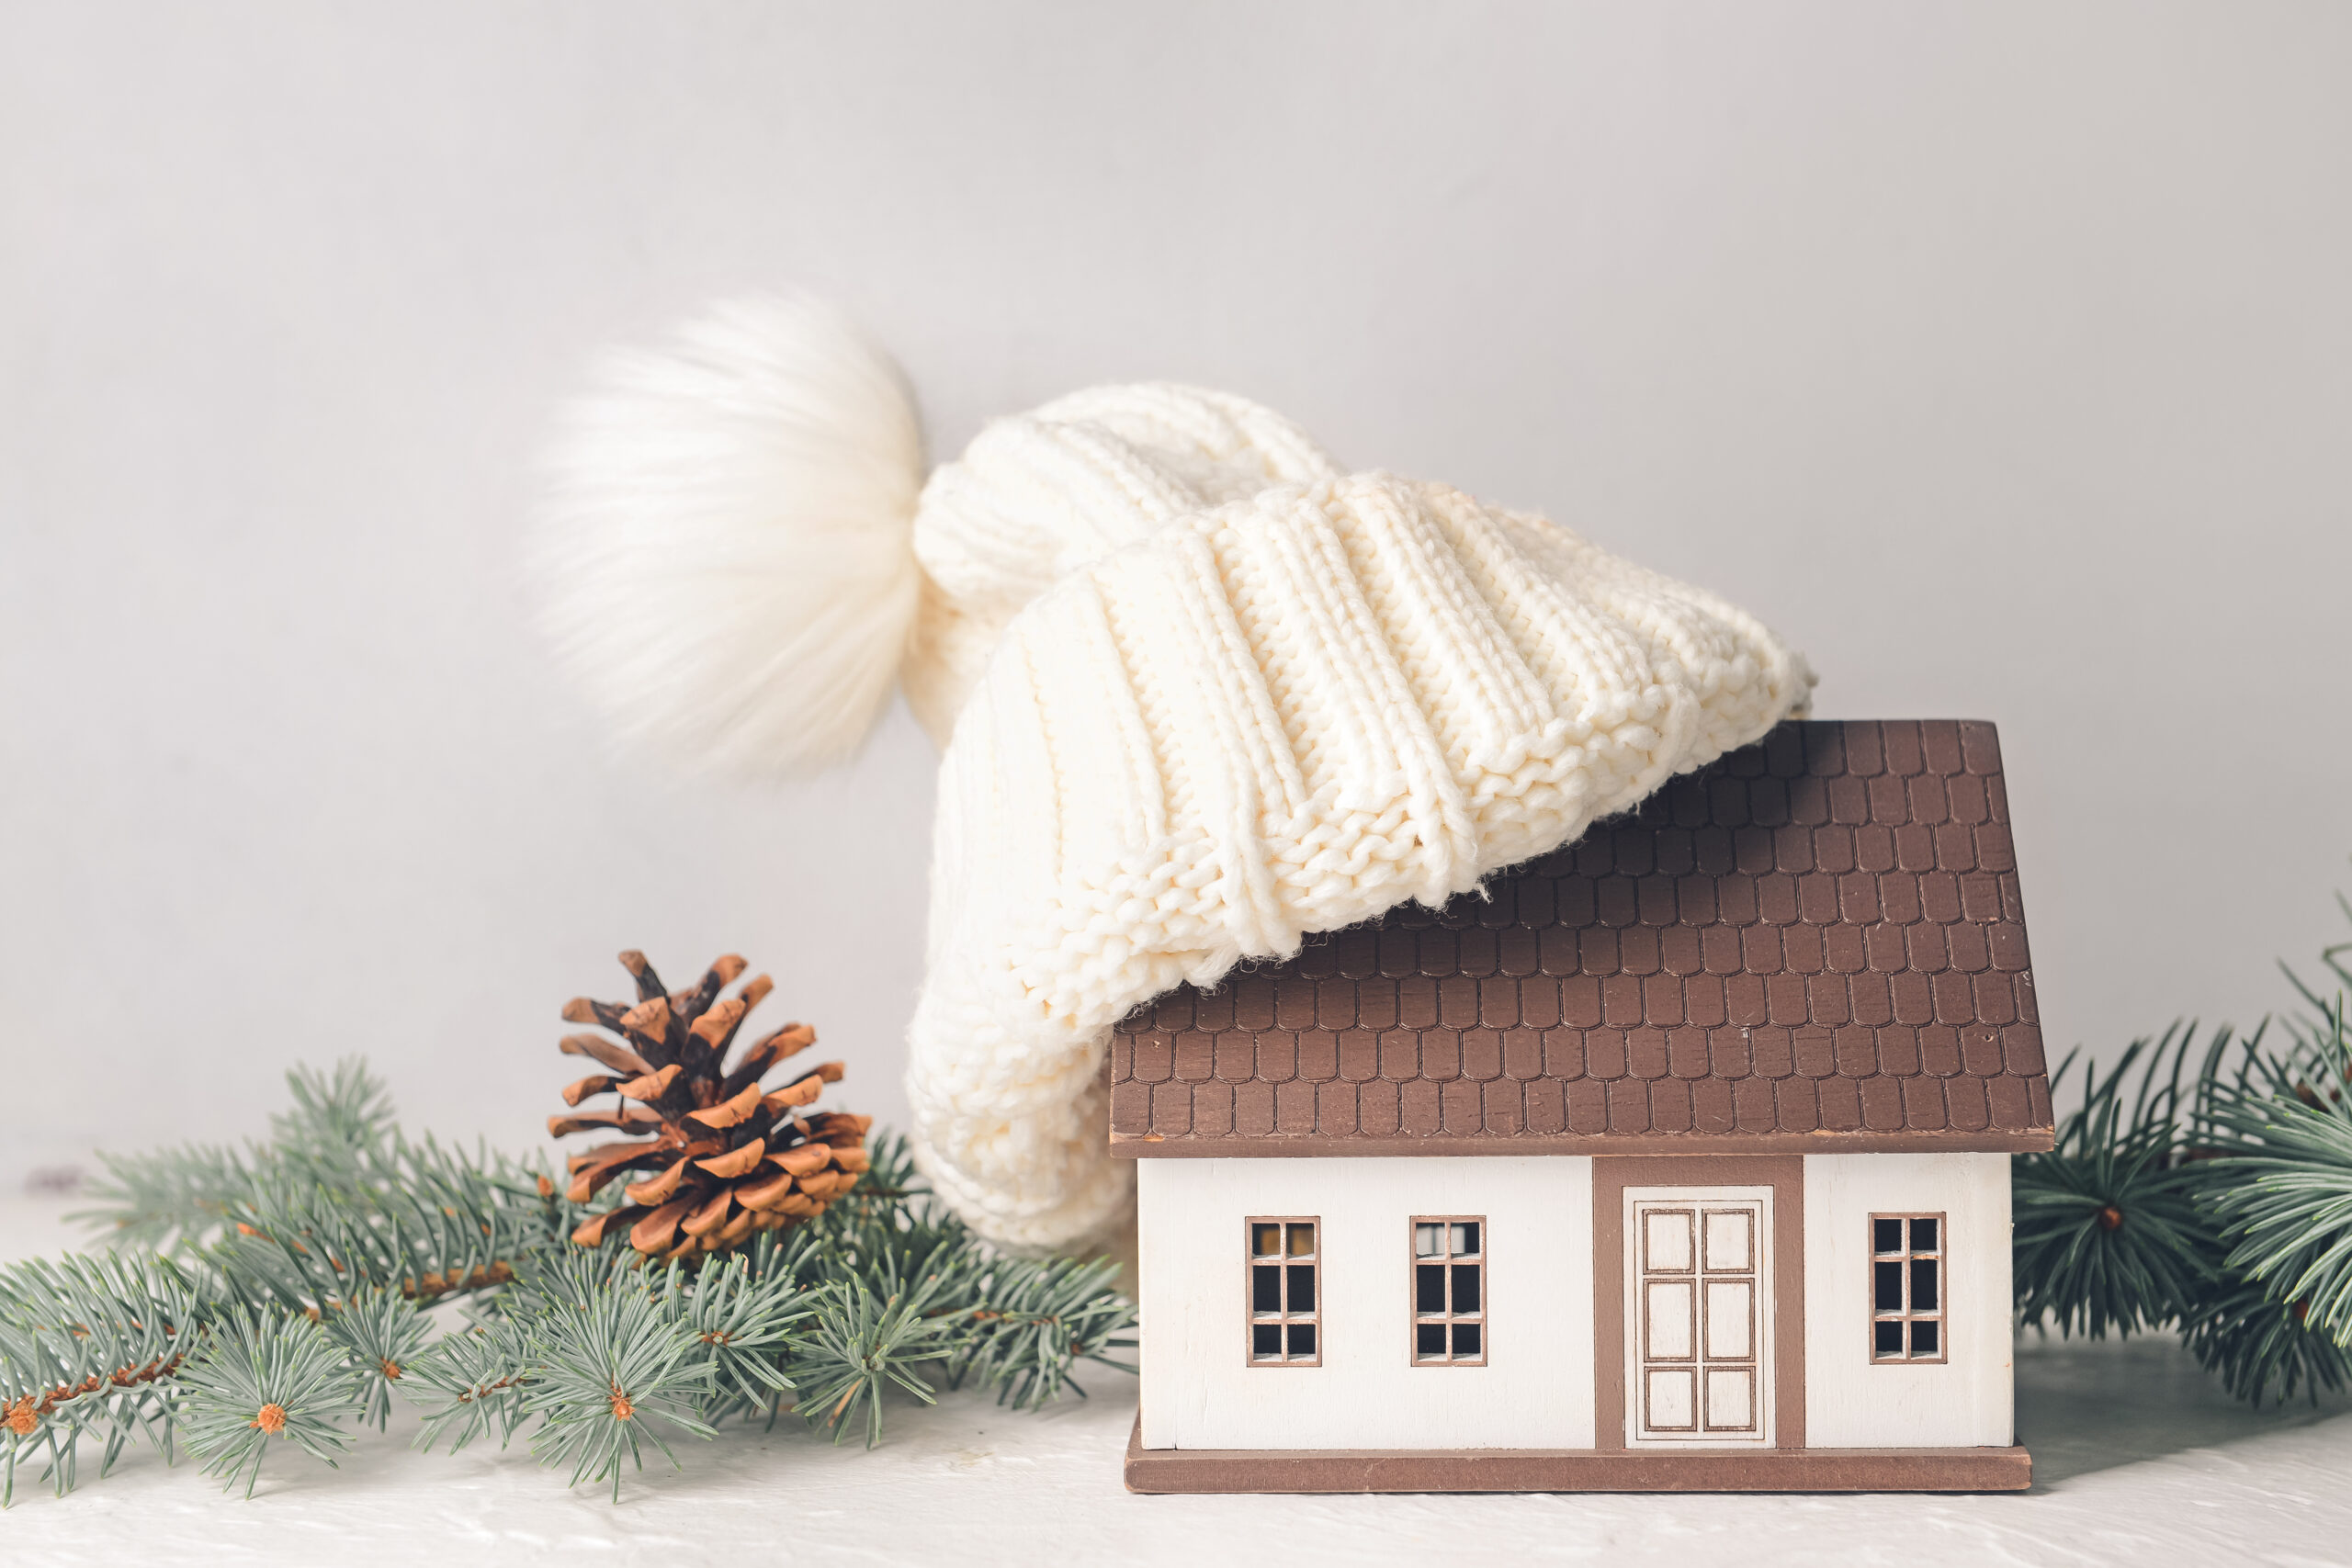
(1200, 691)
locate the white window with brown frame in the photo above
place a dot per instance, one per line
(1449, 1290)
(1285, 1296)
(1908, 1288)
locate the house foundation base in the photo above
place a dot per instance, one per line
(1574, 1470)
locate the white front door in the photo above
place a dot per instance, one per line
(1698, 1316)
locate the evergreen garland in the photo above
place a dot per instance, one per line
(284, 1293)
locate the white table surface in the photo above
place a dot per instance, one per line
(2139, 1458)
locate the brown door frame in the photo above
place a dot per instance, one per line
(1784, 1174)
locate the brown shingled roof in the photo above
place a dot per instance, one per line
(1812, 945)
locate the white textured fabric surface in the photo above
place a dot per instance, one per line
(2139, 1460)
(1202, 693)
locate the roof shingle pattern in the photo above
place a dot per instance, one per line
(1815, 943)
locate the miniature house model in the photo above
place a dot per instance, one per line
(1678, 1160)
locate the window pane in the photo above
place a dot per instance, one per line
(1466, 1287)
(1886, 1339)
(1302, 1240)
(1465, 1239)
(1302, 1287)
(1887, 1294)
(1923, 1284)
(1265, 1241)
(1265, 1339)
(1429, 1339)
(1465, 1339)
(1887, 1235)
(1428, 1241)
(1923, 1337)
(1428, 1287)
(1265, 1287)
(1302, 1339)
(1923, 1235)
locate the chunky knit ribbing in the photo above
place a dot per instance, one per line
(1240, 707)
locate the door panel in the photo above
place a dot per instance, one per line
(1666, 1320)
(1730, 1235)
(1730, 1321)
(1731, 1399)
(1670, 1400)
(1667, 1233)
(1699, 1333)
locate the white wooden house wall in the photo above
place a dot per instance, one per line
(1535, 1391)
(1199, 1390)
(1850, 1402)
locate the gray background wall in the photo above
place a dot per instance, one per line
(1999, 354)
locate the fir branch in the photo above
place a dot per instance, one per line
(293, 1305)
(414, 1218)
(2284, 1197)
(2293, 1221)
(167, 1197)
(1035, 1320)
(608, 1369)
(2107, 1230)
(471, 1384)
(339, 1121)
(259, 1375)
(88, 1346)
(2260, 1347)
(2259, 1141)
(2327, 1025)
(381, 1334)
(863, 1343)
(734, 1324)
(748, 1323)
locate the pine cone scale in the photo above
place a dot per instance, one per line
(579, 1009)
(802, 1090)
(632, 1119)
(792, 1039)
(596, 1083)
(659, 1189)
(710, 1216)
(603, 1152)
(737, 1161)
(717, 1026)
(653, 1232)
(728, 1112)
(806, 1160)
(648, 984)
(768, 1192)
(618, 1057)
(651, 1086)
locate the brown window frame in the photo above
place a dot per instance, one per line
(1907, 1313)
(1447, 1317)
(1284, 1319)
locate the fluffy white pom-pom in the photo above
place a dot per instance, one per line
(725, 560)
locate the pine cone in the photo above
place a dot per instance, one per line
(726, 1156)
